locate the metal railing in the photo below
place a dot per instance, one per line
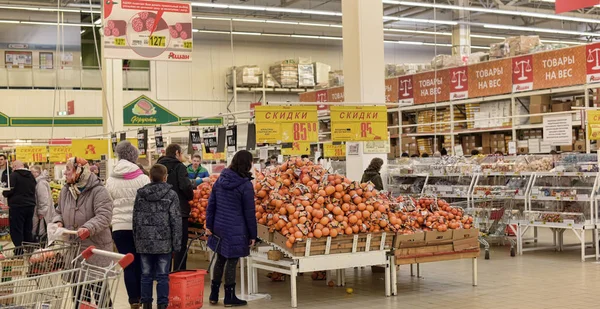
(69, 77)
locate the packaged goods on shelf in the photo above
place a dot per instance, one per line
(425, 119)
(306, 73)
(548, 47)
(425, 145)
(246, 76)
(523, 44)
(471, 109)
(522, 109)
(336, 78)
(392, 70)
(539, 104)
(321, 77)
(579, 146)
(446, 61)
(270, 81)
(286, 73)
(406, 128)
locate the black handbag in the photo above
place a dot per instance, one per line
(39, 237)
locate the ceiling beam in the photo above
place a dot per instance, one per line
(285, 3)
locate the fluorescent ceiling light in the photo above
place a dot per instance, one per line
(9, 21)
(266, 8)
(417, 31)
(492, 37)
(418, 20)
(46, 9)
(246, 33)
(531, 29)
(493, 11)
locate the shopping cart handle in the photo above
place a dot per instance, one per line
(124, 259)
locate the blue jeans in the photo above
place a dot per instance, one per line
(155, 266)
(133, 273)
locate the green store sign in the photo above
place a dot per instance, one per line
(144, 111)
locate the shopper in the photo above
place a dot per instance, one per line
(444, 152)
(157, 233)
(4, 172)
(372, 173)
(474, 152)
(425, 155)
(85, 205)
(231, 222)
(405, 155)
(178, 179)
(44, 205)
(21, 203)
(196, 172)
(123, 185)
(273, 161)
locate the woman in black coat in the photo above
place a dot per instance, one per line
(231, 222)
(372, 173)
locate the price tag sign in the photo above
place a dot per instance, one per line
(358, 123)
(31, 153)
(120, 42)
(188, 44)
(332, 150)
(60, 154)
(295, 149)
(286, 124)
(157, 41)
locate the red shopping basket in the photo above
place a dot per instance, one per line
(186, 289)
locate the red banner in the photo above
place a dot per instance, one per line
(592, 60)
(459, 83)
(405, 90)
(522, 70)
(562, 6)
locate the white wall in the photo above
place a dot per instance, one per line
(189, 90)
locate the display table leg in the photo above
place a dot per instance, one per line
(596, 244)
(388, 279)
(254, 280)
(250, 279)
(418, 270)
(393, 275)
(293, 274)
(242, 279)
(475, 271)
(411, 271)
(535, 234)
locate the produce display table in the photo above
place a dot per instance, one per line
(294, 265)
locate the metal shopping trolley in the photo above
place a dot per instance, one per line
(83, 286)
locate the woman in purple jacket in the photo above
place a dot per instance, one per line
(231, 222)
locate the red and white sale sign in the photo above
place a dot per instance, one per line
(459, 83)
(592, 62)
(147, 30)
(522, 69)
(405, 90)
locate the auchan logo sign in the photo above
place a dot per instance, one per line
(175, 56)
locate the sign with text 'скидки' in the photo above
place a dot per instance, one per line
(358, 123)
(286, 124)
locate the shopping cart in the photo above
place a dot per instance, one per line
(493, 219)
(83, 286)
(32, 259)
(4, 222)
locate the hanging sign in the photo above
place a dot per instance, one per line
(490, 78)
(147, 30)
(195, 139)
(562, 6)
(330, 150)
(210, 140)
(90, 149)
(522, 73)
(37, 154)
(593, 119)
(377, 147)
(335, 94)
(231, 138)
(459, 83)
(212, 156)
(358, 123)
(558, 129)
(592, 55)
(559, 68)
(431, 87)
(295, 149)
(142, 141)
(60, 154)
(391, 90)
(405, 90)
(158, 140)
(286, 124)
(114, 142)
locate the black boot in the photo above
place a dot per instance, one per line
(162, 306)
(215, 286)
(230, 299)
(147, 306)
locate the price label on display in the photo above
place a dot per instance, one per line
(358, 123)
(331, 150)
(31, 153)
(286, 124)
(157, 41)
(188, 45)
(60, 153)
(120, 42)
(295, 149)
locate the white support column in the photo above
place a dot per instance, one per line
(461, 34)
(112, 100)
(364, 79)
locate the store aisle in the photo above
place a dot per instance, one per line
(535, 280)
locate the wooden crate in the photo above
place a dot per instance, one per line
(264, 234)
(339, 244)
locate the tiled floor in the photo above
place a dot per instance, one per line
(544, 279)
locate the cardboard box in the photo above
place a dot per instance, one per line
(538, 104)
(522, 144)
(522, 150)
(579, 146)
(534, 145)
(424, 250)
(263, 233)
(561, 107)
(566, 148)
(464, 233)
(579, 102)
(435, 237)
(465, 244)
(545, 147)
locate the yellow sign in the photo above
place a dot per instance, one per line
(32, 153)
(187, 44)
(213, 156)
(120, 42)
(90, 149)
(60, 154)
(298, 149)
(358, 123)
(286, 124)
(593, 119)
(157, 41)
(330, 150)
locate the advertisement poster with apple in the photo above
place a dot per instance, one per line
(147, 30)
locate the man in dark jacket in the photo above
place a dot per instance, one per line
(4, 172)
(21, 203)
(178, 179)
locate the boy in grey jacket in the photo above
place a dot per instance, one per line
(157, 234)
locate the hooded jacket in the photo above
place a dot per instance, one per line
(22, 193)
(44, 205)
(374, 177)
(156, 220)
(230, 215)
(122, 185)
(178, 178)
(91, 210)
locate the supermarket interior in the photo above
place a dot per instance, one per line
(299, 153)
